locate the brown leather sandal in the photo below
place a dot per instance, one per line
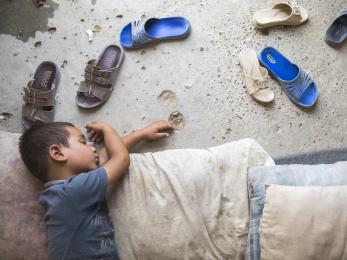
(39, 95)
(99, 76)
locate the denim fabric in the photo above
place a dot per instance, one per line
(292, 175)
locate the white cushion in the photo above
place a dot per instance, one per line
(304, 223)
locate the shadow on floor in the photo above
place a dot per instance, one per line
(21, 18)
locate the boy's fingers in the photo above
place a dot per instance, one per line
(162, 135)
(96, 136)
(91, 125)
(169, 125)
(91, 132)
(166, 127)
(90, 135)
(93, 136)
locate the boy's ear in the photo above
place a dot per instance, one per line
(56, 152)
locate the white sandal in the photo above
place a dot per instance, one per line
(283, 13)
(257, 77)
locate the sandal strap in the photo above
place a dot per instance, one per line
(298, 86)
(257, 83)
(294, 5)
(95, 74)
(260, 85)
(296, 15)
(39, 98)
(262, 70)
(139, 35)
(92, 90)
(34, 114)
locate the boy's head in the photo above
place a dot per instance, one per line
(58, 144)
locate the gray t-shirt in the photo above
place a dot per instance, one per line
(77, 219)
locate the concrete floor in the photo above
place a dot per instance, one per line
(203, 71)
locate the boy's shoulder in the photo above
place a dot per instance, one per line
(75, 179)
(81, 189)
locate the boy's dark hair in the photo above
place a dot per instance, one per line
(35, 142)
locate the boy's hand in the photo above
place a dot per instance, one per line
(95, 130)
(118, 157)
(156, 130)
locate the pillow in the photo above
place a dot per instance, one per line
(173, 204)
(304, 223)
(292, 175)
(22, 229)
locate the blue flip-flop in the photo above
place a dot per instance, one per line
(297, 84)
(145, 31)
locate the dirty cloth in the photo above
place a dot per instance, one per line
(185, 204)
(312, 225)
(291, 175)
(175, 204)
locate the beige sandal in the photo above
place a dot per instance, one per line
(257, 77)
(283, 13)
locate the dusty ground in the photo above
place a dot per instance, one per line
(200, 77)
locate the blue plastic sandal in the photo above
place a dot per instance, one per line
(297, 84)
(145, 31)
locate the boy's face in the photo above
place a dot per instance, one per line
(81, 156)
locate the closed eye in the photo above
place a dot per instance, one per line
(82, 139)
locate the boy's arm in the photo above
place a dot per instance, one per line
(132, 139)
(154, 131)
(119, 160)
